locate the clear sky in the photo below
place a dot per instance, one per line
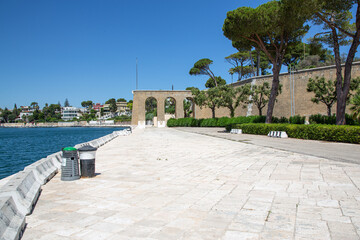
(51, 50)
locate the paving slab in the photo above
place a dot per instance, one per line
(161, 183)
(343, 152)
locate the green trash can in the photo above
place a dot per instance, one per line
(70, 164)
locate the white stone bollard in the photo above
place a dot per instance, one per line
(278, 134)
(236, 131)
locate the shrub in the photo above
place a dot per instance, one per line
(182, 122)
(226, 121)
(258, 119)
(297, 119)
(208, 122)
(223, 122)
(283, 120)
(323, 119)
(349, 134)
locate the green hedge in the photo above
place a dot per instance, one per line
(213, 122)
(228, 122)
(323, 119)
(182, 122)
(335, 133)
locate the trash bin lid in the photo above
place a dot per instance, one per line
(87, 148)
(69, 149)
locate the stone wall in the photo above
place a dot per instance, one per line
(303, 104)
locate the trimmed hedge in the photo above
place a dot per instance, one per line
(213, 122)
(228, 122)
(323, 119)
(335, 133)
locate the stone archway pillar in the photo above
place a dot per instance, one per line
(138, 111)
(161, 112)
(179, 108)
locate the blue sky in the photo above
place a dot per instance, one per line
(87, 49)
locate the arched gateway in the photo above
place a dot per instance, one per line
(140, 96)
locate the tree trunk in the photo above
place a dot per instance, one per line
(342, 89)
(329, 110)
(339, 80)
(274, 89)
(252, 63)
(213, 112)
(240, 75)
(260, 111)
(258, 62)
(232, 112)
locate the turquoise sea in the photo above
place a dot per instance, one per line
(20, 147)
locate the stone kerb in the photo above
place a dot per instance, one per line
(24, 190)
(12, 222)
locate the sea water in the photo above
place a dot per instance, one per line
(20, 147)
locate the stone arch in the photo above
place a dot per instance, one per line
(189, 107)
(150, 110)
(140, 96)
(170, 108)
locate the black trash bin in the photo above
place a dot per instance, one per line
(70, 164)
(87, 161)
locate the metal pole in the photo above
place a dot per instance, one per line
(293, 85)
(291, 107)
(137, 74)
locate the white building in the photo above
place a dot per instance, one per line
(68, 113)
(25, 114)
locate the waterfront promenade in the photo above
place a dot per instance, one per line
(161, 183)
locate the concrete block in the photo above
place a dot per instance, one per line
(236, 131)
(55, 161)
(12, 222)
(124, 132)
(278, 134)
(44, 170)
(98, 142)
(141, 124)
(94, 143)
(101, 141)
(24, 190)
(57, 157)
(161, 123)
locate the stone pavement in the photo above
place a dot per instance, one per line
(161, 183)
(343, 152)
